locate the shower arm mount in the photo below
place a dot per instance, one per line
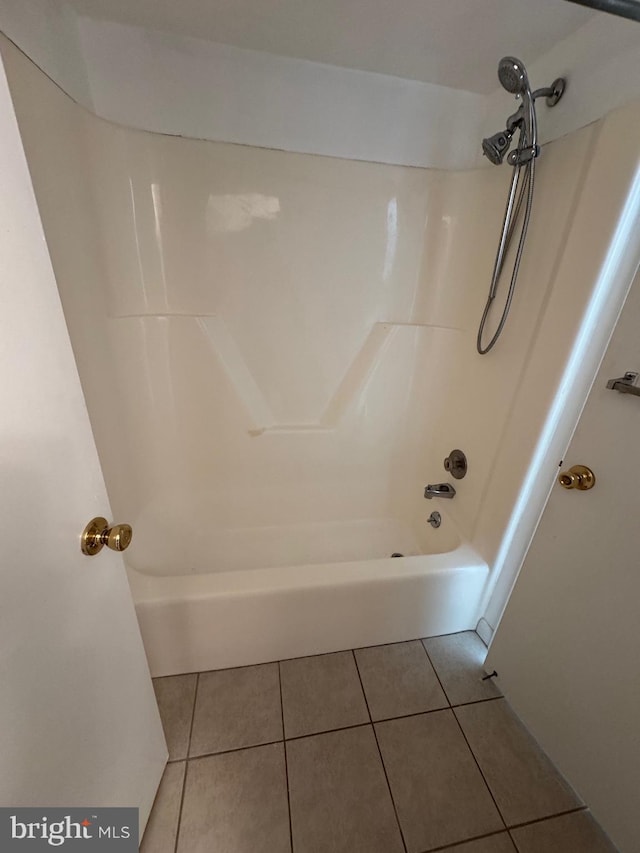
(552, 93)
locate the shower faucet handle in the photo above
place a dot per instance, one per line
(456, 464)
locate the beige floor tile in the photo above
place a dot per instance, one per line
(525, 784)
(175, 695)
(340, 800)
(398, 679)
(162, 826)
(237, 708)
(458, 659)
(572, 833)
(236, 803)
(321, 693)
(438, 790)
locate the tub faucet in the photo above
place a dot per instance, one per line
(439, 490)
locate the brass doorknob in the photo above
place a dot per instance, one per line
(578, 477)
(97, 534)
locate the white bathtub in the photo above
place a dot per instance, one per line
(221, 619)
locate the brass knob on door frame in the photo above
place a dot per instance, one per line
(97, 534)
(577, 477)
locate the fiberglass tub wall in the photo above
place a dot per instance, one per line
(280, 352)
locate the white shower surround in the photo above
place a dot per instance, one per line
(162, 81)
(291, 341)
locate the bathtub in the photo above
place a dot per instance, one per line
(218, 619)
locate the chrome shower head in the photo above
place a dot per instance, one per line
(495, 147)
(512, 75)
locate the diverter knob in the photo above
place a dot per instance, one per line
(456, 464)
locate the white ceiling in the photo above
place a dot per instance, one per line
(449, 42)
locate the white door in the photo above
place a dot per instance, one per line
(78, 721)
(567, 650)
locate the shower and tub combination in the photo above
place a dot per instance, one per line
(294, 353)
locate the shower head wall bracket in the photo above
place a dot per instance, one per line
(552, 93)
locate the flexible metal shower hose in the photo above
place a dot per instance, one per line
(508, 228)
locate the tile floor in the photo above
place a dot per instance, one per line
(392, 749)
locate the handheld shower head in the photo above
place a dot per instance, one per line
(512, 75)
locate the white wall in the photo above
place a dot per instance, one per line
(191, 87)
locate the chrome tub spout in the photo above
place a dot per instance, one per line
(439, 490)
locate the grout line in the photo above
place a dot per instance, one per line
(434, 710)
(469, 745)
(467, 841)
(542, 820)
(316, 655)
(327, 731)
(435, 671)
(286, 764)
(330, 731)
(235, 749)
(407, 716)
(384, 769)
(219, 669)
(583, 808)
(478, 701)
(193, 714)
(184, 787)
(481, 772)
(186, 763)
(274, 742)
(364, 694)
